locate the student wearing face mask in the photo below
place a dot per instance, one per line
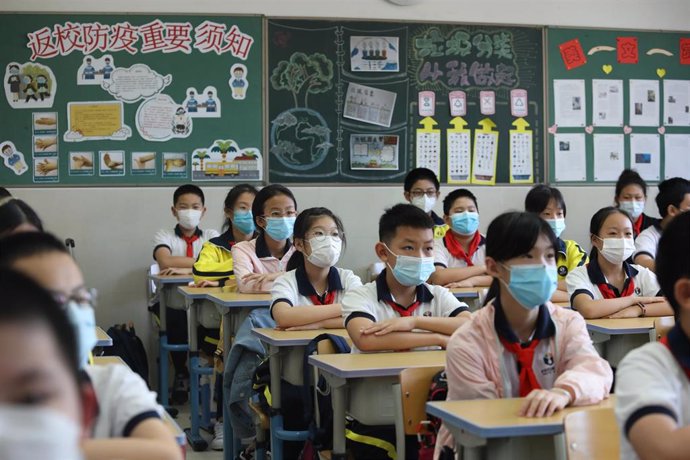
(258, 262)
(549, 204)
(608, 286)
(631, 197)
(520, 344)
(308, 296)
(400, 311)
(422, 189)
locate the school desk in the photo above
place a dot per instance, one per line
(103, 339)
(614, 338)
(362, 385)
(103, 360)
(494, 426)
(285, 356)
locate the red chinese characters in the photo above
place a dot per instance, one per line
(627, 50)
(572, 54)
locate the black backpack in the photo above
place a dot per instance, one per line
(129, 347)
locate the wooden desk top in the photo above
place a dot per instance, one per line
(497, 418)
(356, 365)
(104, 340)
(198, 293)
(293, 338)
(172, 279)
(239, 300)
(621, 326)
(105, 360)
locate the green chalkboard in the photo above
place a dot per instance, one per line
(315, 135)
(153, 62)
(611, 59)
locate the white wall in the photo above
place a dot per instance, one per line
(113, 226)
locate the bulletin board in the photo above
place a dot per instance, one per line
(109, 100)
(344, 101)
(617, 99)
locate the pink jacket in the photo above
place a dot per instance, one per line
(253, 257)
(473, 366)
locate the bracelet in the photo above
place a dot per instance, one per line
(642, 307)
(564, 392)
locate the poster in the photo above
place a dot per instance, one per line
(94, 71)
(374, 54)
(160, 119)
(143, 164)
(45, 123)
(677, 102)
(374, 151)
(225, 160)
(428, 149)
(174, 165)
(644, 155)
(569, 103)
(644, 102)
(570, 157)
(90, 121)
(13, 158)
(369, 105)
(677, 155)
(29, 85)
(484, 157)
(135, 83)
(609, 156)
(46, 170)
(202, 104)
(111, 163)
(607, 103)
(459, 156)
(81, 164)
(44, 145)
(521, 155)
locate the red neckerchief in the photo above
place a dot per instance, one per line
(456, 250)
(404, 311)
(328, 299)
(637, 226)
(664, 341)
(608, 293)
(190, 243)
(525, 357)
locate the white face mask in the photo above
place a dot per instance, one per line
(325, 253)
(30, 433)
(189, 218)
(617, 250)
(424, 202)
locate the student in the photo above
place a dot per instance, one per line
(129, 418)
(608, 286)
(399, 311)
(459, 255)
(631, 196)
(549, 204)
(308, 296)
(4, 192)
(673, 198)
(16, 216)
(258, 262)
(653, 381)
(520, 344)
(422, 190)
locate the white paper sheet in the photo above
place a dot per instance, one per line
(677, 102)
(428, 150)
(521, 151)
(644, 155)
(644, 103)
(459, 156)
(609, 156)
(607, 103)
(570, 105)
(677, 155)
(570, 157)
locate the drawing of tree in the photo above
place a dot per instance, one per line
(195, 165)
(224, 147)
(201, 155)
(303, 75)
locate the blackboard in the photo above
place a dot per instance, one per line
(619, 55)
(431, 57)
(184, 51)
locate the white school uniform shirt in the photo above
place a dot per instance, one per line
(123, 399)
(295, 289)
(370, 301)
(444, 259)
(649, 380)
(647, 241)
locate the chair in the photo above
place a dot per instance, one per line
(592, 434)
(662, 325)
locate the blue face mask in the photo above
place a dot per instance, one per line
(634, 208)
(244, 222)
(83, 318)
(465, 223)
(532, 285)
(280, 228)
(557, 225)
(412, 271)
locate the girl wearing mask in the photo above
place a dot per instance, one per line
(631, 196)
(313, 284)
(258, 262)
(520, 344)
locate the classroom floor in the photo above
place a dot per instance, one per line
(183, 420)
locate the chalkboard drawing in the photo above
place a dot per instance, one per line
(29, 85)
(12, 158)
(374, 151)
(238, 81)
(81, 164)
(204, 104)
(89, 121)
(161, 118)
(303, 75)
(374, 54)
(46, 170)
(94, 71)
(143, 163)
(300, 139)
(370, 105)
(225, 160)
(132, 84)
(174, 165)
(112, 163)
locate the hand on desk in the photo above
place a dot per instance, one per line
(260, 278)
(459, 284)
(404, 324)
(175, 271)
(543, 403)
(206, 283)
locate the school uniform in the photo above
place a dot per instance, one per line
(254, 257)
(192, 105)
(124, 400)
(569, 256)
(107, 71)
(647, 242)
(295, 289)
(448, 253)
(643, 222)
(484, 360)
(653, 379)
(211, 105)
(375, 302)
(440, 226)
(89, 72)
(215, 259)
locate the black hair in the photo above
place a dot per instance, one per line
(25, 301)
(4, 192)
(266, 194)
(672, 261)
(15, 212)
(402, 215)
(513, 234)
(188, 188)
(6, 146)
(14, 66)
(232, 197)
(630, 177)
(598, 220)
(28, 244)
(454, 195)
(671, 192)
(538, 198)
(420, 174)
(303, 223)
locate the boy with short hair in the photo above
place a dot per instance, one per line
(459, 255)
(422, 189)
(399, 311)
(653, 381)
(673, 198)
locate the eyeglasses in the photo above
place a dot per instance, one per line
(431, 193)
(320, 235)
(281, 214)
(81, 295)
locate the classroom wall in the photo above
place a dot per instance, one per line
(113, 226)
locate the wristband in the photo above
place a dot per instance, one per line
(564, 392)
